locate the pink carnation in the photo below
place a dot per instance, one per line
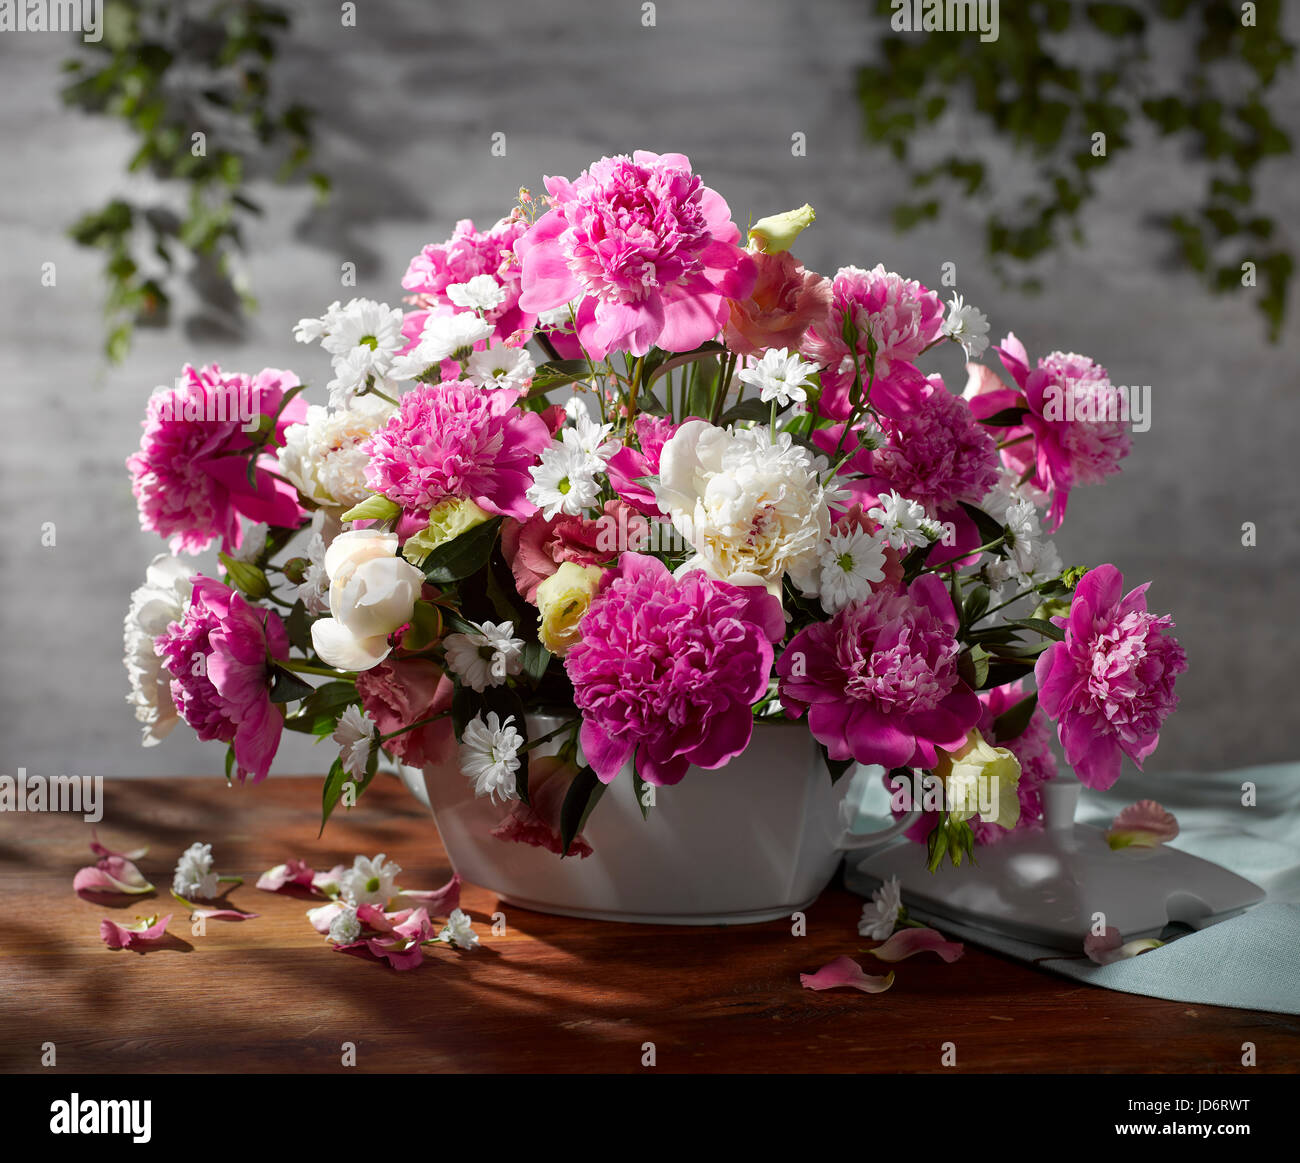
(786, 300)
(403, 691)
(650, 250)
(1110, 684)
(903, 316)
(189, 482)
(226, 696)
(879, 680)
(668, 668)
(455, 440)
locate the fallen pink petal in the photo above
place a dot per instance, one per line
(117, 936)
(292, 872)
(906, 943)
(1111, 947)
(221, 915)
(439, 902)
(1144, 824)
(845, 973)
(323, 916)
(113, 872)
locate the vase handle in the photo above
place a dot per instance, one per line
(849, 840)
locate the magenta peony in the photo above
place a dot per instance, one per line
(668, 668)
(189, 482)
(879, 680)
(1110, 685)
(218, 656)
(455, 440)
(648, 249)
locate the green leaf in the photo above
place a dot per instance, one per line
(977, 601)
(837, 767)
(1007, 418)
(373, 508)
(463, 555)
(536, 659)
(298, 628)
(1047, 629)
(287, 687)
(1012, 722)
(752, 409)
(638, 787)
(989, 528)
(331, 792)
(557, 373)
(583, 795)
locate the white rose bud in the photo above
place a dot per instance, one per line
(372, 593)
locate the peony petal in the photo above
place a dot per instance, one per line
(1109, 947)
(113, 872)
(906, 942)
(117, 936)
(293, 872)
(221, 915)
(323, 916)
(1144, 824)
(844, 972)
(438, 902)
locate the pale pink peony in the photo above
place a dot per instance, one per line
(879, 680)
(536, 548)
(190, 484)
(903, 317)
(1110, 684)
(402, 691)
(786, 300)
(668, 669)
(647, 247)
(219, 659)
(455, 440)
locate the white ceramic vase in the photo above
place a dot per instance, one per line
(752, 841)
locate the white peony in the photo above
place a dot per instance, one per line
(372, 593)
(154, 606)
(323, 456)
(752, 508)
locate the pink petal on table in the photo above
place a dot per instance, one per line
(1144, 824)
(323, 916)
(1110, 947)
(291, 872)
(845, 972)
(222, 915)
(325, 881)
(439, 902)
(112, 872)
(100, 850)
(906, 942)
(117, 936)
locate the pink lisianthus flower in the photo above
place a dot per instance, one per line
(1075, 421)
(536, 548)
(903, 317)
(786, 300)
(190, 484)
(402, 691)
(628, 464)
(648, 248)
(668, 669)
(537, 822)
(879, 680)
(1032, 747)
(227, 696)
(1110, 684)
(452, 441)
(467, 253)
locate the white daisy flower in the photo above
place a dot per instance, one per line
(880, 916)
(565, 479)
(850, 562)
(194, 878)
(489, 755)
(481, 293)
(780, 376)
(355, 736)
(459, 931)
(968, 325)
(370, 882)
(499, 366)
(485, 657)
(250, 548)
(363, 340)
(902, 521)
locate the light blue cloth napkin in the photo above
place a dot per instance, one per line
(1251, 961)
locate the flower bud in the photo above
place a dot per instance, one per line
(980, 779)
(777, 232)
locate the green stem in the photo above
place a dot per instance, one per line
(549, 735)
(422, 723)
(307, 668)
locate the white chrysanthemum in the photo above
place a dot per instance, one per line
(486, 656)
(589, 434)
(564, 479)
(363, 340)
(355, 735)
(880, 916)
(154, 606)
(902, 521)
(459, 931)
(752, 508)
(780, 376)
(370, 882)
(441, 338)
(499, 366)
(489, 755)
(851, 561)
(194, 878)
(481, 293)
(968, 325)
(252, 545)
(322, 457)
(346, 927)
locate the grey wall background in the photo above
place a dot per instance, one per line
(408, 102)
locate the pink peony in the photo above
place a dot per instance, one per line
(629, 464)
(786, 300)
(402, 691)
(1110, 684)
(647, 247)
(537, 822)
(536, 548)
(189, 482)
(879, 680)
(668, 668)
(218, 656)
(465, 254)
(456, 440)
(1075, 421)
(903, 316)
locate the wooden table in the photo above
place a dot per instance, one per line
(550, 994)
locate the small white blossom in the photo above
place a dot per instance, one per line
(564, 480)
(346, 927)
(459, 931)
(880, 916)
(780, 376)
(485, 657)
(363, 340)
(355, 735)
(591, 436)
(968, 325)
(851, 561)
(481, 293)
(489, 755)
(561, 316)
(194, 878)
(902, 521)
(499, 366)
(369, 882)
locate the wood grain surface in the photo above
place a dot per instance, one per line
(550, 994)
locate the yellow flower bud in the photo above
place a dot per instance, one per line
(562, 599)
(980, 779)
(777, 232)
(447, 520)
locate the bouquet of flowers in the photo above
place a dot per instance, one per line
(620, 463)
